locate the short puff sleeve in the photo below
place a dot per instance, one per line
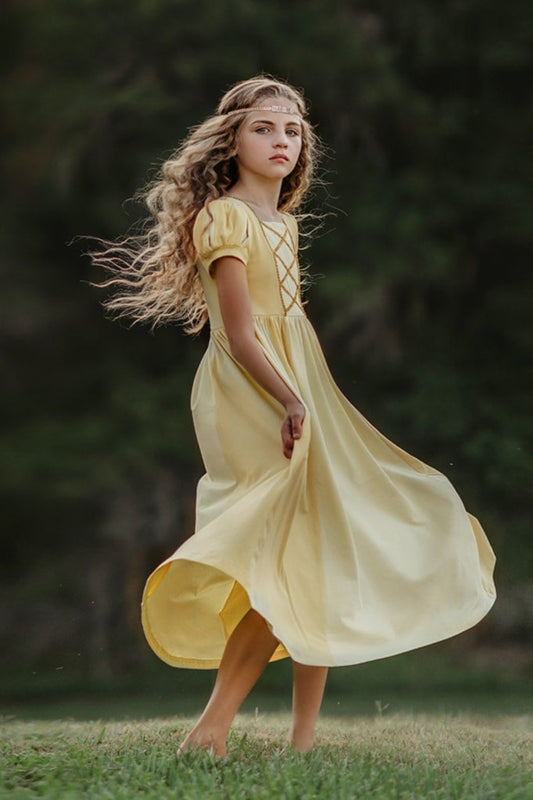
(221, 229)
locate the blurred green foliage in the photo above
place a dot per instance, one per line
(421, 297)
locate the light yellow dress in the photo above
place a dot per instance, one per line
(352, 550)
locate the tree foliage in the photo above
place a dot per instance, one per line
(422, 295)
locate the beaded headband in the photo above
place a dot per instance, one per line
(276, 109)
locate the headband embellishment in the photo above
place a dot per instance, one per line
(276, 109)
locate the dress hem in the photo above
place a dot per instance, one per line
(481, 610)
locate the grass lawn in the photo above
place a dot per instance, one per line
(387, 755)
(415, 726)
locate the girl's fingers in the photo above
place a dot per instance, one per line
(286, 437)
(291, 430)
(296, 426)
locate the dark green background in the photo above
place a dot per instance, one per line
(421, 294)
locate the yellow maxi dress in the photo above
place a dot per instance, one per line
(353, 549)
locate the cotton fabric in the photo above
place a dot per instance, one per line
(353, 549)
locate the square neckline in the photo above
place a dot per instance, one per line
(262, 221)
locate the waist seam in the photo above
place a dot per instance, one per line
(264, 316)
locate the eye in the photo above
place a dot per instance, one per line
(293, 132)
(263, 128)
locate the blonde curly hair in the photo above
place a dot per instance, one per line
(155, 272)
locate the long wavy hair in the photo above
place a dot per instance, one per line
(154, 273)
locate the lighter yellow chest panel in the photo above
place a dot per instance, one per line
(284, 250)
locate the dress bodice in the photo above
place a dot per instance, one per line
(228, 227)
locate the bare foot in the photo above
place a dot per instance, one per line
(301, 742)
(200, 740)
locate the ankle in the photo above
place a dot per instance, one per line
(216, 725)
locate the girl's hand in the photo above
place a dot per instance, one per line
(292, 426)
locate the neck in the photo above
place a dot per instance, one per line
(262, 195)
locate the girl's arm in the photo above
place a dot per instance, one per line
(235, 306)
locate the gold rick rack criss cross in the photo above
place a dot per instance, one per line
(284, 250)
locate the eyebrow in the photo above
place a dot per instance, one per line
(271, 122)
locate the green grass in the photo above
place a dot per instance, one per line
(384, 756)
(421, 725)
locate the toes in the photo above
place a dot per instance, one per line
(206, 747)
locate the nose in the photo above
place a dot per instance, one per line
(281, 139)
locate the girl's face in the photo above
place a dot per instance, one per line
(269, 144)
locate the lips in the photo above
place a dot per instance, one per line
(278, 158)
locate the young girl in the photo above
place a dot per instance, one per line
(316, 537)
